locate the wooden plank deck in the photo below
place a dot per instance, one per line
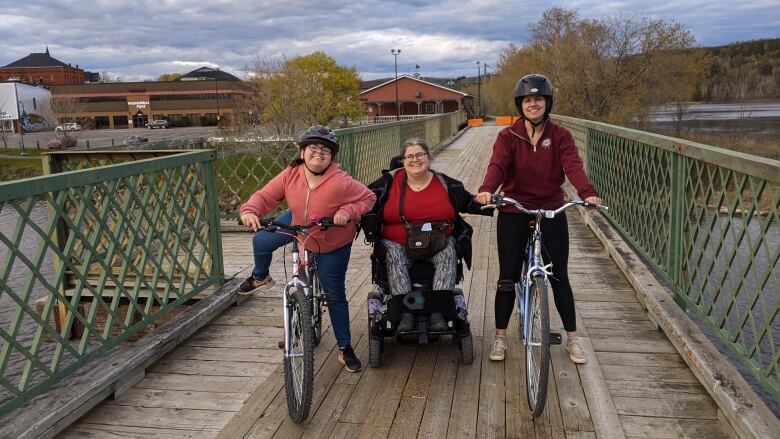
(226, 380)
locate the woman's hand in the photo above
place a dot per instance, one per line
(340, 218)
(483, 197)
(250, 220)
(593, 200)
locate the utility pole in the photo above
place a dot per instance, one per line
(485, 66)
(479, 91)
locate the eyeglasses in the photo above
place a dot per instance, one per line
(324, 150)
(418, 156)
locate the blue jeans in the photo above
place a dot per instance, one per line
(332, 268)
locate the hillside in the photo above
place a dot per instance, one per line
(743, 71)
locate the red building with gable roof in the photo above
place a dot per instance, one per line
(415, 97)
(42, 69)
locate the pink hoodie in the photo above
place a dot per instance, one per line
(336, 191)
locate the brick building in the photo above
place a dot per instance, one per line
(415, 97)
(42, 69)
(200, 97)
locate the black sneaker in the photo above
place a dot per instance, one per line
(406, 323)
(251, 285)
(437, 323)
(348, 358)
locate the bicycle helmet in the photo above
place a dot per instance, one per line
(534, 85)
(319, 134)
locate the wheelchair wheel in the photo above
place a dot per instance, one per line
(466, 349)
(374, 351)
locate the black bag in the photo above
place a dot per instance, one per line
(423, 240)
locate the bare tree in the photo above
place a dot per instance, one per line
(65, 109)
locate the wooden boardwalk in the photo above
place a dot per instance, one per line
(226, 381)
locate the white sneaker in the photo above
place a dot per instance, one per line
(498, 352)
(576, 352)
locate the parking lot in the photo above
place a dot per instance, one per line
(100, 138)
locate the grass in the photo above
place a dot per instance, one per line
(14, 166)
(762, 146)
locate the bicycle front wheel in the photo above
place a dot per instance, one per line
(317, 296)
(299, 363)
(537, 348)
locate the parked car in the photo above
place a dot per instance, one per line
(135, 140)
(159, 123)
(68, 126)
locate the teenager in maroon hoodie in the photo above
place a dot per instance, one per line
(530, 161)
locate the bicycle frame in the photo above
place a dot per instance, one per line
(533, 266)
(295, 281)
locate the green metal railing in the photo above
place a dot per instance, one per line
(706, 218)
(245, 166)
(90, 258)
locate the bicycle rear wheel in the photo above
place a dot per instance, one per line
(317, 295)
(537, 348)
(299, 365)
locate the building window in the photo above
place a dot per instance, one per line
(429, 108)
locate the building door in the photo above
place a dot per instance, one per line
(140, 120)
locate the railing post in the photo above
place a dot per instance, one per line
(676, 226)
(215, 234)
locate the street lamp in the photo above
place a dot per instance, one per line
(479, 91)
(395, 53)
(21, 126)
(485, 66)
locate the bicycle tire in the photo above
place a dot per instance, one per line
(299, 370)
(316, 301)
(537, 349)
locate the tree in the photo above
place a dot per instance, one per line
(169, 77)
(106, 78)
(612, 69)
(65, 109)
(294, 93)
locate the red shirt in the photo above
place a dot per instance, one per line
(534, 175)
(430, 204)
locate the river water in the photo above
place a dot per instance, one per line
(751, 119)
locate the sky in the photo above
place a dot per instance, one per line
(140, 40)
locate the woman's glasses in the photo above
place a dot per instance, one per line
(324, 150)
(418, 156)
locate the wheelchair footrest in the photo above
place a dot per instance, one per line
(555, 338)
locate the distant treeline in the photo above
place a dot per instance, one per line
(744, 71)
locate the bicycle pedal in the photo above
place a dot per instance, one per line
(280, 345)
(555, 338)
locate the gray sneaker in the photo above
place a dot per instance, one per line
(576, 352)
(498, 352)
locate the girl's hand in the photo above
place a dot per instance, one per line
(593, 200)
(251, 220)
(483, 197)
(340, 218)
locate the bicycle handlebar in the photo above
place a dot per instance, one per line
(500, 201)
(322, 223)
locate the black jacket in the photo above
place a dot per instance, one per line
(461, 199)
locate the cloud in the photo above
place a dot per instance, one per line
(142, 39)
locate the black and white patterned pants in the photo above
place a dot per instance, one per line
(445, 264)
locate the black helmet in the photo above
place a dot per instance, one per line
(534, 85)
(319, 134)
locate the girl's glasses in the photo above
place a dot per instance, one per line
(324, 150)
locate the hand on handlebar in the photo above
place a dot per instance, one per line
(251, 220)
(340, 219)
(483, 198)
(596, 201)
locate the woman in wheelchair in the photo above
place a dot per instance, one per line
(413, 202)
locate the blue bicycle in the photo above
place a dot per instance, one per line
(532, 301)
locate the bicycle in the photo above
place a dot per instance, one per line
(303, 300)
(532, 301)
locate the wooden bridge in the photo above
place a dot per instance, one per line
(226, 380)
(116, 321)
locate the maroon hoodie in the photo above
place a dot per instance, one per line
(533, 175)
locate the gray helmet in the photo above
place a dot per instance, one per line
(319, 134)
(534, 85)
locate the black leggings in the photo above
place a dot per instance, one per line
(513, 233)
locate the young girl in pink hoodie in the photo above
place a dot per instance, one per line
(313, 186)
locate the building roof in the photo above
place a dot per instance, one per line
(208, 74)
(391, 80)
(38, 60)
